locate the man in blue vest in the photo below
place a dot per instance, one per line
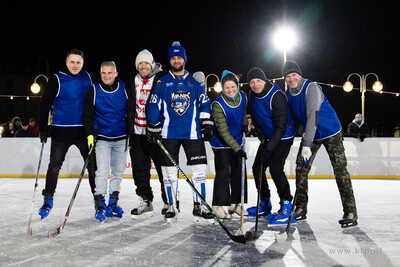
(65, 91)
(269, 110)
(319, 125)
(106, 107)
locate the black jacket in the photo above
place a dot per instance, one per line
(354, 130)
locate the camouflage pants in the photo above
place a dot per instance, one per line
(334, 147)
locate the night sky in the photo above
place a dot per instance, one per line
(335, 38)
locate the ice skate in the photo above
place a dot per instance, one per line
(171, 215)
(300, 214)
(47, 205)
(100, 207)
(164, 209)
(113, 210)
(264, 210)
(282, 215)
(145, 210)
(220, 212)
(202, 214)
(348, 220)
(235, 208)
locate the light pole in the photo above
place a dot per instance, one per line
(35, 87)
(284, 38)
(217, 85)
(377, 87)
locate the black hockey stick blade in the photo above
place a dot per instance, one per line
(235, 238)
(251, 236)
(55, 232)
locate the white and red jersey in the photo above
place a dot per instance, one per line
(142, 87)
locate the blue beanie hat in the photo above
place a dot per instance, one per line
(176, 50)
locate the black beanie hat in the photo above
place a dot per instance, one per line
(290, 67)
(256, 73)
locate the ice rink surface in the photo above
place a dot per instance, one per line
(318, 241)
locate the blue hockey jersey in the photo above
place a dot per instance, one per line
(178, 103)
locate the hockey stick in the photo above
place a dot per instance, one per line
(34, 190)
(250, 236)
(283, 236)
(57, 231)
(236, 238)
(242, 188)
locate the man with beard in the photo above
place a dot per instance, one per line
(179, 113)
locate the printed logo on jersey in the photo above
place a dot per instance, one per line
(143, 96)
(180, 101)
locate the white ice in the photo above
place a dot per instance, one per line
(318, 241)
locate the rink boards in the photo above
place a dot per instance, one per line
(375, 158)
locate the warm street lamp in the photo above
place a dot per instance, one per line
(377, 87)
(217, 85)
(35, 87)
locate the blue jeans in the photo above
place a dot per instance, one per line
(111, 156)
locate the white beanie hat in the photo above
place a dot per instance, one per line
(145, 56)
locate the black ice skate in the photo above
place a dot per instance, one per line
(171, 215)
(348, 220)
(201, 214)
(300, 214)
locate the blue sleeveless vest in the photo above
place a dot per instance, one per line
(68, 103)
(234, 119)
(110, 111)
(262, 111)
(328, 121)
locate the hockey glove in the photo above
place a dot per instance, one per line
(242, 154)
(265, 155)
(43, 137)
(90, 141)
(207, 129)
(153, 132)
(306, 153)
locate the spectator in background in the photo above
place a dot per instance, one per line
(25, 131)
(33, 126)
(249, 129)
(358, 129)
(9, 131)
(17, 123)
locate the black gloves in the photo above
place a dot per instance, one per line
(207, 129)
(43, 137)
(153, 132)
(265, 155)
(242, 154)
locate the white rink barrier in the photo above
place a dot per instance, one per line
(373, 158)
